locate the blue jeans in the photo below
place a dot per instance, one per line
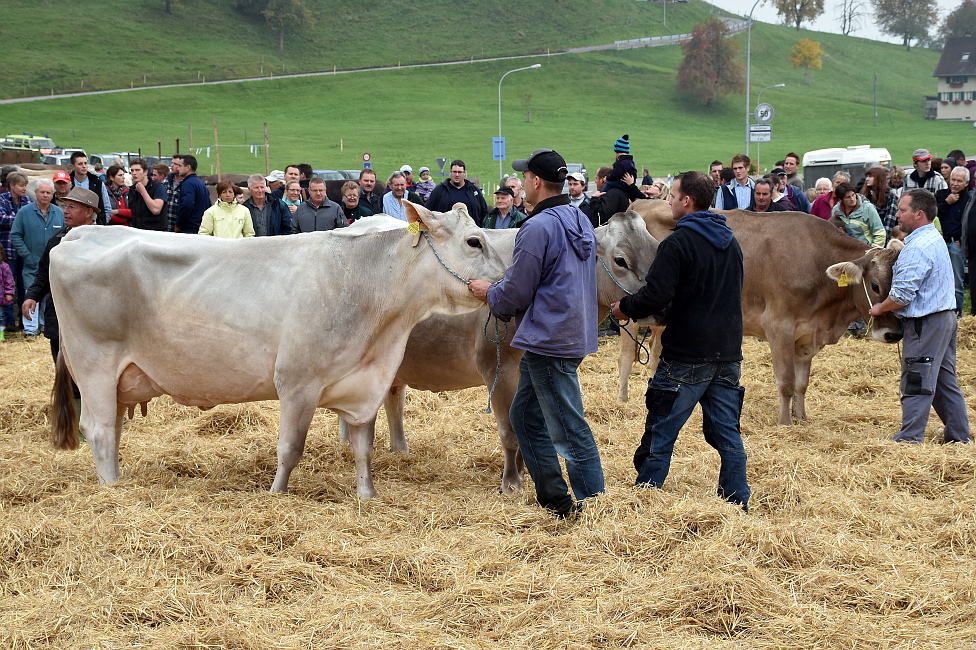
(958, 262)
(547, 415)
(671, 397)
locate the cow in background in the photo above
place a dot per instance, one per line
(794, 294)
(145, 314)
(453, 352)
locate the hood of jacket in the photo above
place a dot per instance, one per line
(710, 225)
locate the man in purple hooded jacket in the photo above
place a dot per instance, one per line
(550, 290)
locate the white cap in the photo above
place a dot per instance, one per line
(407, 168)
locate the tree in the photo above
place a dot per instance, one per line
(908, 19)
(709, 70)
(173, 3)
(961, 22)
(287, 16)
(806, 54)
(852, 14)
(795, 12)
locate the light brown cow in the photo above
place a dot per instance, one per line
(452, 352)
(790, 295)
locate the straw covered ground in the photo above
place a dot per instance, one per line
(852, 541)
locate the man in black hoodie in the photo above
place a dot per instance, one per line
(697, 278)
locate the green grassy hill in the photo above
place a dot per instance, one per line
(580, 103)
(115, 43)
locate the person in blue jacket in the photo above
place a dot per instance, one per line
(550, 291)
(194, 198)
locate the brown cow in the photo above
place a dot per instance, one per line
(791, 295)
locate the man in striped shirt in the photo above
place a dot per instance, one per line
(922, 293)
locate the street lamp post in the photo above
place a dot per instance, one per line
(537, 65)
(749, 69)
(759, 144)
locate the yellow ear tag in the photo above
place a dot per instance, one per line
(843, 280)
(414, 228)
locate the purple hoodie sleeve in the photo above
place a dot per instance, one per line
(515, 292)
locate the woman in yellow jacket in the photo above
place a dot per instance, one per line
(227, 218)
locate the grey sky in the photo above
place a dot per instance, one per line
(829, 22)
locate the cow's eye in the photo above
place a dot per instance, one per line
(621, 262)
(875, 287)
(474, 242)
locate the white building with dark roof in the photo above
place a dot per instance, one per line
(956, 73)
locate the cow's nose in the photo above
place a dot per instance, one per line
(892, 337)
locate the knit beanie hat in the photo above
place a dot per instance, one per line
(622, 145)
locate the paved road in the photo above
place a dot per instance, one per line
(735, 26)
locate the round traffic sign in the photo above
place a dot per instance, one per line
(764, 113)
(366, 157)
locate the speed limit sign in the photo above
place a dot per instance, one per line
(366, 157)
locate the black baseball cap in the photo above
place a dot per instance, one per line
(544, 163)
(779, 171)
(504, 189)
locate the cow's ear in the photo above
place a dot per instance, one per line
(895, 245)
(845, 273)
(417, 214)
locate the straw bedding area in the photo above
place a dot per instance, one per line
(852, 541)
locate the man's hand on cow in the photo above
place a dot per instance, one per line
(619, 315)
(479, 288)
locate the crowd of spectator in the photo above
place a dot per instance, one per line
(173, 198)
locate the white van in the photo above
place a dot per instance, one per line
(827, 162)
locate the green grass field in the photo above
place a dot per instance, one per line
(112, 43)
(580, 104)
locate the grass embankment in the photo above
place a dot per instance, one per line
(112, 43)
(580, 104)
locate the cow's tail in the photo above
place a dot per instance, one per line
(64, 419)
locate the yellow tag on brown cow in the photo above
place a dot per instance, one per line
(843, 280)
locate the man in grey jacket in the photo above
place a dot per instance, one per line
(318, 213)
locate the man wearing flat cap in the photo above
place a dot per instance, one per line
(924, 176)
(504, 214)
(80, 206)
(550, 290)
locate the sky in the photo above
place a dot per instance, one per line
(829, 21)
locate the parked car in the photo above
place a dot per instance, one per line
(329, 175)
(155, 160)
(351, 174)
(826, 162)
(28, 141)
(60, 159)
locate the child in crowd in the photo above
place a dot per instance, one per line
(8, 289)
(426, 184)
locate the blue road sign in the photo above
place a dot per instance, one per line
(498, 148)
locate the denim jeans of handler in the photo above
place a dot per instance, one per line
(671, 396)
(547, 415)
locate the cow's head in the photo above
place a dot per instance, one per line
(456, 246)
(625, 251)
(868, 278)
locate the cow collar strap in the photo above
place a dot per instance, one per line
(629, 293)
(437, 255)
